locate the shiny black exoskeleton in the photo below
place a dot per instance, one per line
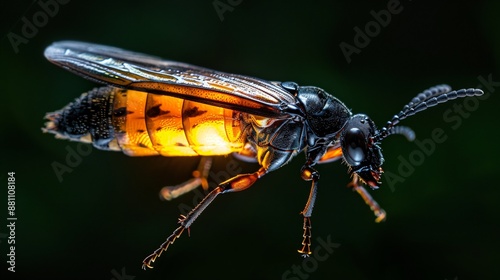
(279, 120)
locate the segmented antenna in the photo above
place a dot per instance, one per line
(403, 130)
(429, 98)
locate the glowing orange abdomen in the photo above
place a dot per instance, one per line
(148, 124)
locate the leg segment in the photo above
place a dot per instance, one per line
(308, 174)
(237, 183)
(199, 178)
(377, 210)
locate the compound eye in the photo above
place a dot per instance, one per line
(355, 146)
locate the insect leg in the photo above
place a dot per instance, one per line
(237, 183)
(199, 178)
(332, 154)
(377, 210)
(308, 174)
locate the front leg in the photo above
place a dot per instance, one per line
(377, 210)
(308, 174)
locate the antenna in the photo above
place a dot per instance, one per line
(429, 98)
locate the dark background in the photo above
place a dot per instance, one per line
(105, 216)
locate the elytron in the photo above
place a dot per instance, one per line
(151, 106)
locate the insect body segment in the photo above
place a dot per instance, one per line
(88, 119)
(142, 124)
(158, 107)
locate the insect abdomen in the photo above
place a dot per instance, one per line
(142, 124)
(88, 119)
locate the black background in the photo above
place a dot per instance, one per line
(105, 216)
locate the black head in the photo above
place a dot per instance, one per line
(360, 139)
(362, 154)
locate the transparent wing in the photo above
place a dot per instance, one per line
(151, 74)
